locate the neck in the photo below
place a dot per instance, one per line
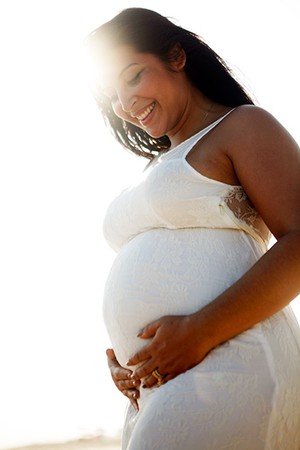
(199, 113)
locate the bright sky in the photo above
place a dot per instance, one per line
(60, 168)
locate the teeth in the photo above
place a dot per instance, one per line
(146, 113)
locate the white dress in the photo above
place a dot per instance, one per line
(182, 239)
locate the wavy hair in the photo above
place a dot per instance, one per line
(149, 32)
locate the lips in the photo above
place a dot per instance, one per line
(143, 116)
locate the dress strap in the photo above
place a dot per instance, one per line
(183, 148)
(212, 125)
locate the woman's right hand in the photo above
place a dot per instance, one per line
(122, 379)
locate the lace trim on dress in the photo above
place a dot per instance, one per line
(237, 205)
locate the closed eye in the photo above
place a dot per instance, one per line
(135, 79)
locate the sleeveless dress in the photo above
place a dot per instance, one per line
(182, 239)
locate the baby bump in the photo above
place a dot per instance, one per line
(170, 272)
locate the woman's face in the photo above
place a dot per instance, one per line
(145, 92)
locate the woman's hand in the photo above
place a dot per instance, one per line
(123, 379)
(177, 345)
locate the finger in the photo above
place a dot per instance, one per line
(111, 358)
(132, 394)
(143, 371)
(149, 330)
(149, 381)
(128, 384)
(140, 356)
(118, 372)
(168, 378)
(135, 404)
(110, 353)
(135, 394)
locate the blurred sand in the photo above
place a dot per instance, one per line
(83, 444)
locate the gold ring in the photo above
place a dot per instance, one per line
(158, 376)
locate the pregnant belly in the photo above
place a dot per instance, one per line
(170, 272)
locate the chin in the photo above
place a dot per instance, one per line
(155, 134)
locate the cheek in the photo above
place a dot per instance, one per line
(117, 109)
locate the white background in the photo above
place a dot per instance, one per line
(59, 168)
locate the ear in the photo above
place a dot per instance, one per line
(177, 58)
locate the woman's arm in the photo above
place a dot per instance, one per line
(266, 161)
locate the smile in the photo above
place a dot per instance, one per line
(146, 113)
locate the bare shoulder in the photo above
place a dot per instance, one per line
(254, 134)
(250, 122)
(266, 161)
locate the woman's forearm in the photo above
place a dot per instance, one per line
(265, 289)
(178, 343)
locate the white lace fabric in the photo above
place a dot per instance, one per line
(182, 239)
(240, 209)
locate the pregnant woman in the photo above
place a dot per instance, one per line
(205, 344)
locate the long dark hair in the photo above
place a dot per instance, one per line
(150, 32)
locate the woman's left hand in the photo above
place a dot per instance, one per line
(176, 346)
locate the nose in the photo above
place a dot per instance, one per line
(126, 100)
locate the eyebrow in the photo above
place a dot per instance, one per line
(121, 73)
(127, 67)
